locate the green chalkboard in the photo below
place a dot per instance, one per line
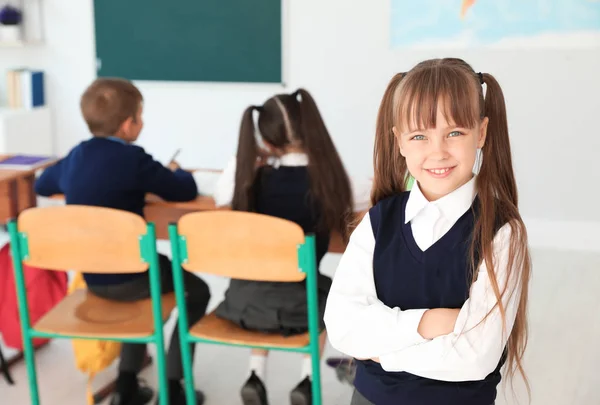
(189, 40)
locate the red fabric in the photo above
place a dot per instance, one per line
(45, 289)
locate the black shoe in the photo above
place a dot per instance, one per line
(142, 396)
(254, 391)
(302, 394)
(179, 398)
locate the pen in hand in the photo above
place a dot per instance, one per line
(172, 163)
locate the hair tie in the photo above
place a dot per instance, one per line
(480, 77)
(296, 94)
(258, 108)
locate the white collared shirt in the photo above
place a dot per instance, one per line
(361, 326)
(431, 220)
(223, 193)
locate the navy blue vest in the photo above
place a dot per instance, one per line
(409, 278)
(285, 193)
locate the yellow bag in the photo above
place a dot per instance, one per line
(92, 356)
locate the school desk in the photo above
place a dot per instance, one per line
(16, 191)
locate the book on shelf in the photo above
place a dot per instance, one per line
(25, 88)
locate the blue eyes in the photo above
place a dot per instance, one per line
(452, 134)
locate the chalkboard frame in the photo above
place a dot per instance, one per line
(127, 45)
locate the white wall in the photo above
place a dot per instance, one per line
(341, 54)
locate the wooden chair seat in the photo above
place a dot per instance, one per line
(84, 314)
(214, 328)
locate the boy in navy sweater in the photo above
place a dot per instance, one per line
(109, 171)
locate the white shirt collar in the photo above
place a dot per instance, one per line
(452, 206)
(289, 159)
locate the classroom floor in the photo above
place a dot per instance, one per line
(561, 362)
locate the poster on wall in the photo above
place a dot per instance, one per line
(495, 23)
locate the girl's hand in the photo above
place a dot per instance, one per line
(437, 322)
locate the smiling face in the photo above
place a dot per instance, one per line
(441, 158)
(438, 124)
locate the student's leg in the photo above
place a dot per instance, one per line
(307, 362)
(258, 362)
(132, 355)
(127, 390)
(197, 297)
(302, 393)
(254, 391)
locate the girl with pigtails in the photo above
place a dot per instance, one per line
(288, 168)
(430, 297)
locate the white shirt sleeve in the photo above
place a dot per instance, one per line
(223, 194)
(474, 348)
(359, 324)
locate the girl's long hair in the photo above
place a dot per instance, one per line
(412, 99)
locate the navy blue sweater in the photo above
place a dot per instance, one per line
(409, 278)
(107, 172)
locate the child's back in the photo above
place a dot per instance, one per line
(107, 170)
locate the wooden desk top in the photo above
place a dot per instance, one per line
(201, 203)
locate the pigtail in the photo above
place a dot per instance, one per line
(391, 173)
(245, 170)
(497, 193)
(330, 184)
(497, 148)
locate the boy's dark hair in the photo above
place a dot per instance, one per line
(107, 103)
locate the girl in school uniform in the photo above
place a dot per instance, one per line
(430, 296)
(290, 169)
